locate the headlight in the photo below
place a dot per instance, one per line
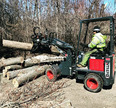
(38, 40)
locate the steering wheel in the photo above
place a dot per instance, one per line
(52, 34)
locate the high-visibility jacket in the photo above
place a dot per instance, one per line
(98, 41)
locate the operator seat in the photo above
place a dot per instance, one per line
(107, 49)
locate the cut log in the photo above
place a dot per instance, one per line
(31, 61)
(42, 59)
(11, 67)
(17, 45)
(13, 74)
(11, 61)
(27, 70)
(29, 76)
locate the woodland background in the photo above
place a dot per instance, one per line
(18, 17)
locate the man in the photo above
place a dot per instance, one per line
(98, 43)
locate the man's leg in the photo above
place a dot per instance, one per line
(86, 56)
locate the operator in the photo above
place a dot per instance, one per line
(97, 44)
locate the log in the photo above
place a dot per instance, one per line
(29, 76)
(13, 74)
(31, 61)
(27, 70)
(35, 60)
(17, 45)
(10, 61)
(42, 59)
(11, 67)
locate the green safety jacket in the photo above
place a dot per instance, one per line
(98, 41)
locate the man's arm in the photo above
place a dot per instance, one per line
(94, 42)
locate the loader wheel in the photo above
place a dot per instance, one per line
(93, 83)
(51, 75)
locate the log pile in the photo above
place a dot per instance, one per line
(21, 71)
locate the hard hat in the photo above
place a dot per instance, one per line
(96, 29)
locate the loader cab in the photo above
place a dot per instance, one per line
(86, 26)
(100, 66)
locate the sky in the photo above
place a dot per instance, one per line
(111, 5)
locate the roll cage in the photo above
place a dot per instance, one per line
(87, 21)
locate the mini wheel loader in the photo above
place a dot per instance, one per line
(100, 69)
(101, 65)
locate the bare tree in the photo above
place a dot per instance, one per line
(18, 17)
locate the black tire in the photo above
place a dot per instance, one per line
(51, 74)
(93, 83)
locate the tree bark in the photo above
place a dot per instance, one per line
(42, 59)
(13, 74)
(17, 45)
(31, 61)
(29, 76)
(27, 70)
(11, 61)
(11, 67)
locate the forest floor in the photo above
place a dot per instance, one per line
(64, 93)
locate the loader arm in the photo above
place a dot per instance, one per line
(43, 42)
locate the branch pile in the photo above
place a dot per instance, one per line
(43, 94)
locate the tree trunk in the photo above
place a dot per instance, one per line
(13, 74)
(11, 67)
(18, 45)
(29, 76)
(102, 10)
(11, 61)
(39, 3)
(42, 59)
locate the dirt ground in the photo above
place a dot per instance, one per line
(78, 96)
(81, 98)
(73, 92)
